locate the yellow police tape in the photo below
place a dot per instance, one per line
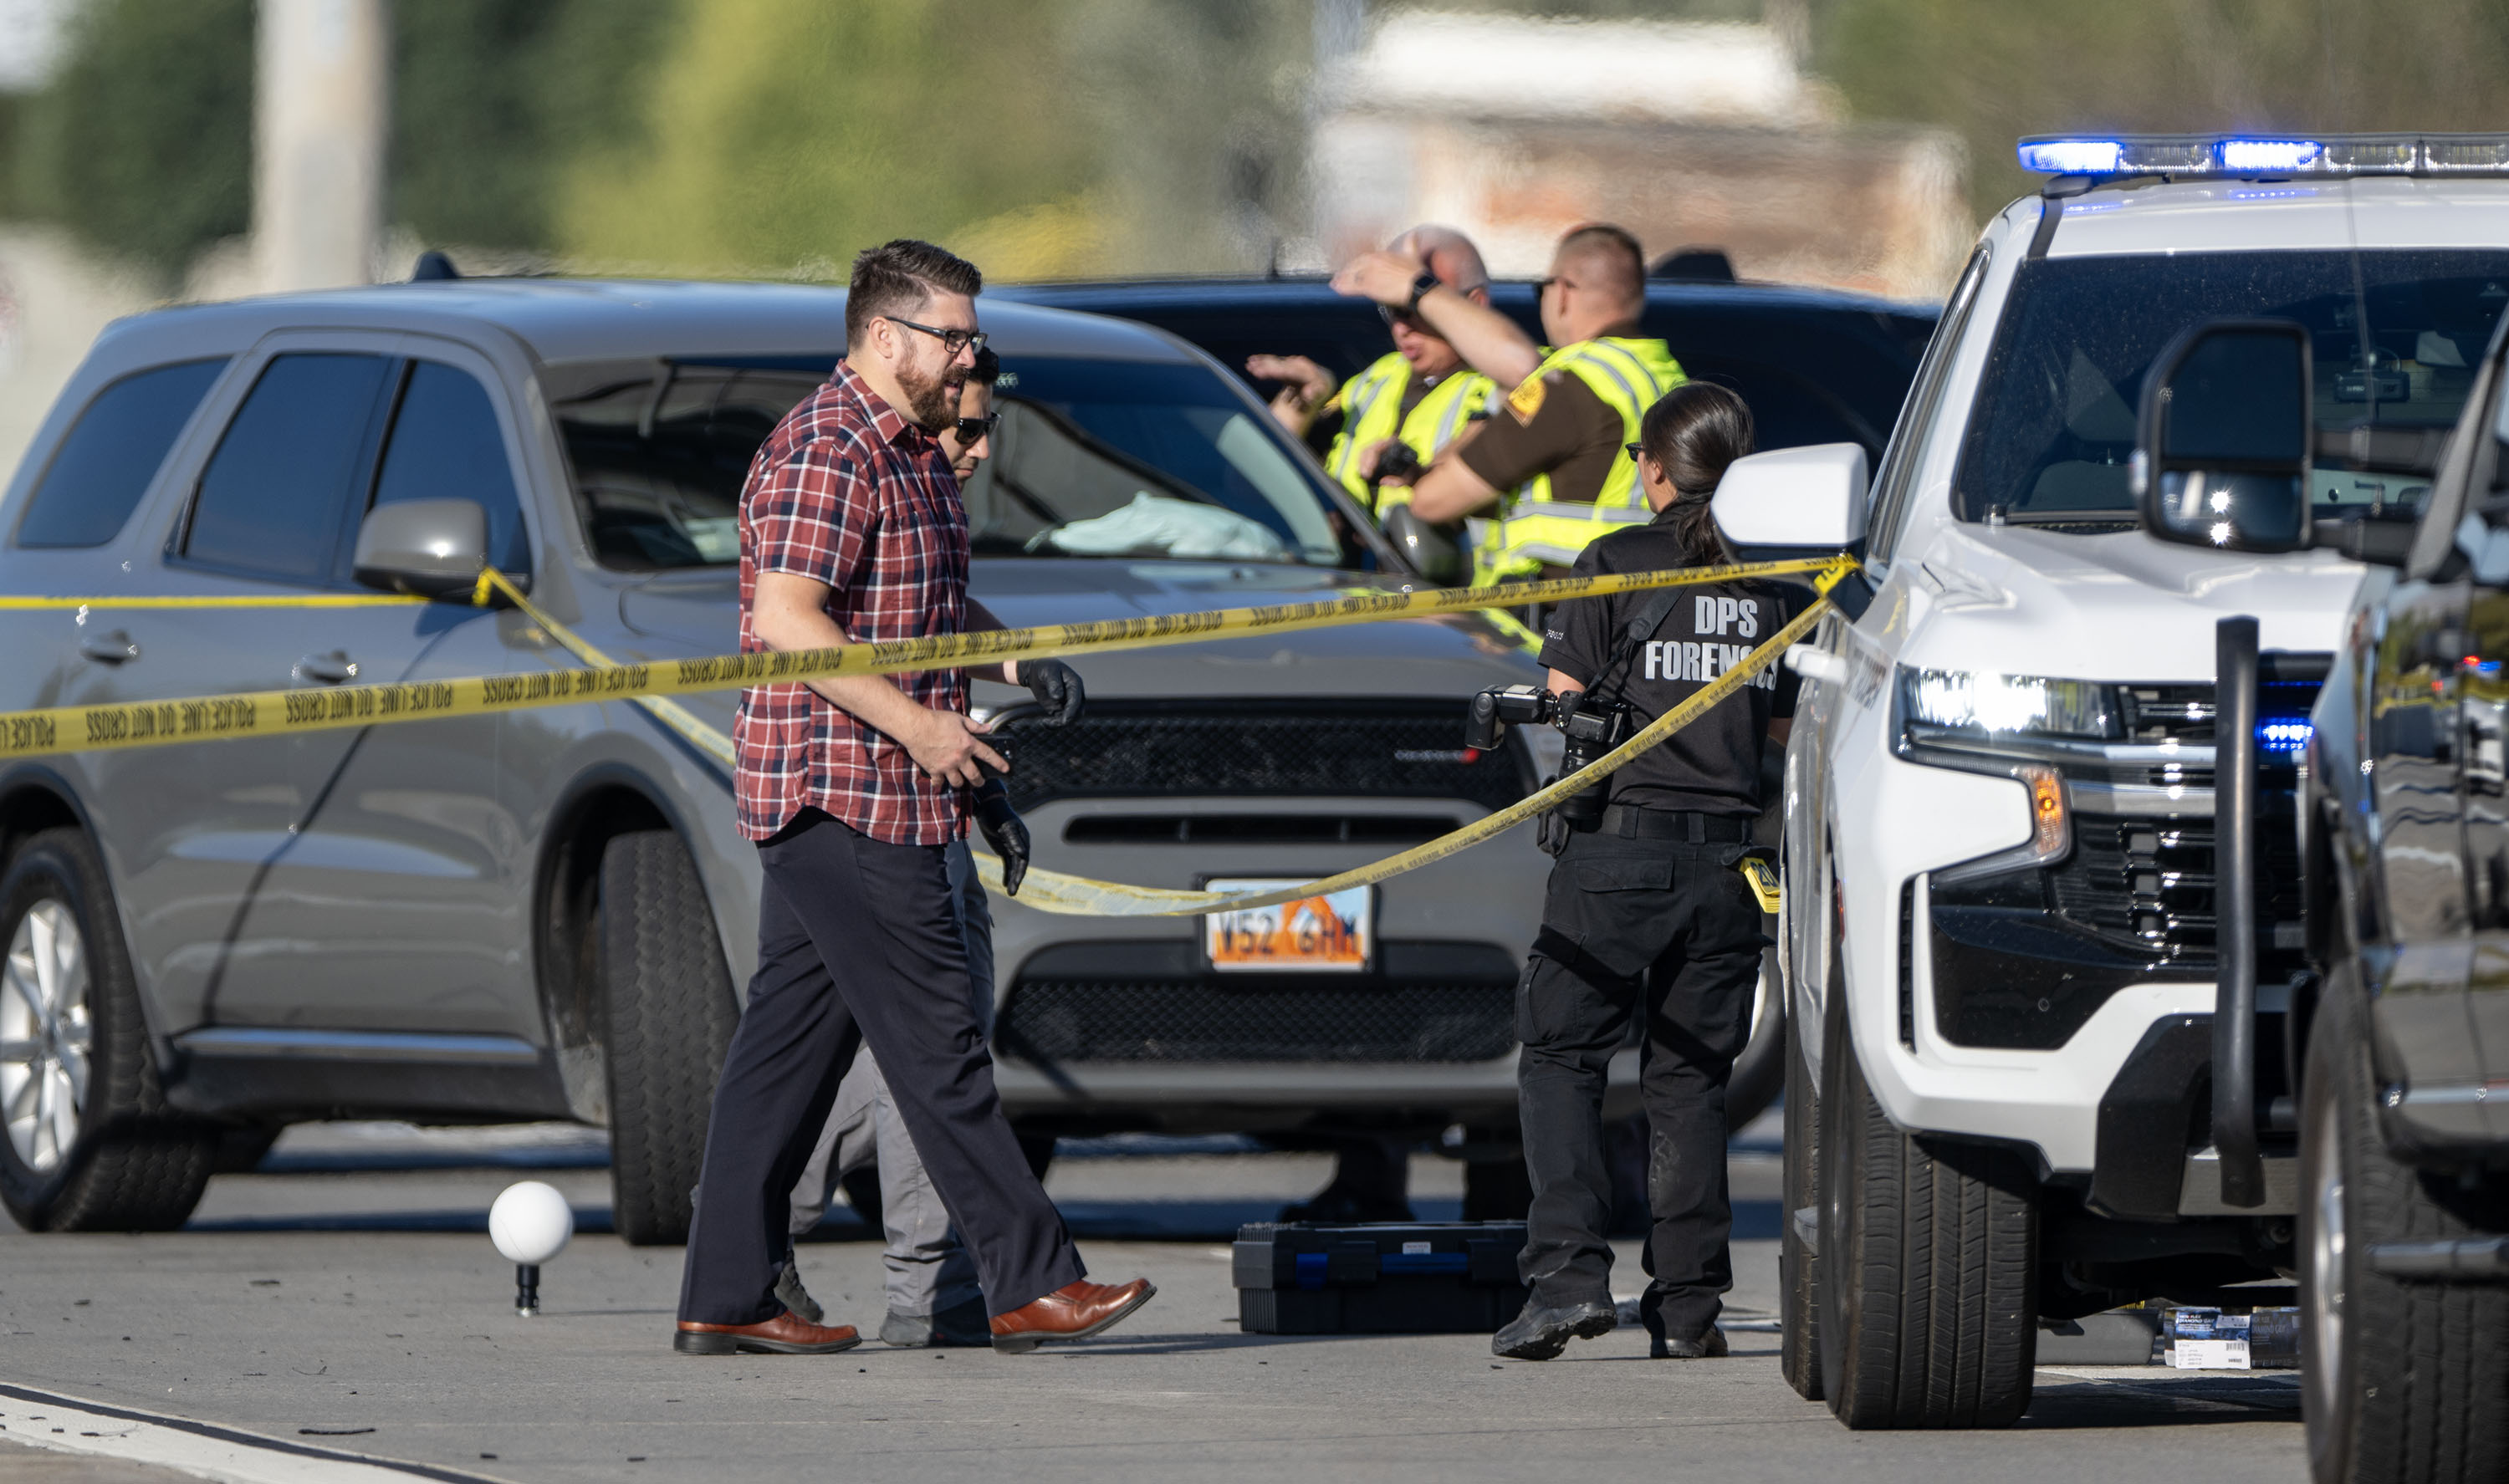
(284, 713)
(275, 713)
(1053, 891)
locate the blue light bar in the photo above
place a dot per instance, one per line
(2262, 155)
(2072, 157)
(2283, 737)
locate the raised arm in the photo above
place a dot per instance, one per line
(1489, 341)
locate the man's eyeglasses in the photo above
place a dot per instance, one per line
(1404, 318)
(951, 340)
(1633, 450)
(974, 430)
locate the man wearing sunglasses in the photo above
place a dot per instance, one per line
(1423, 394)
(854, 788)
(969, 441)
(1549, 471)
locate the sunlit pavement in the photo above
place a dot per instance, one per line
(349, 1306)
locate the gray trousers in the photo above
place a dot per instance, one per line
(929, 1270)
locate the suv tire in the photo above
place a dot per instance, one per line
(1928, 1251)
(1798, 1268)
(667, 1015)
(2402, 1381)
(128, 1163)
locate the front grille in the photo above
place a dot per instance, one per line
(1053, 1021)
(1255, 829)
(1155, 1001)
(2147, 886)
(1375, 749)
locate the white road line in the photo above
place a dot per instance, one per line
(229, 1454)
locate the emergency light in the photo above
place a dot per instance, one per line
(2278, 155)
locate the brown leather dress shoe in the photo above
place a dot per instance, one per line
(786, 1334)
(1072, 1312)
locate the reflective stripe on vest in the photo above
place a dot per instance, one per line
(1535, 530)
(1370, 403)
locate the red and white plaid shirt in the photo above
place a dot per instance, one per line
(848, 492)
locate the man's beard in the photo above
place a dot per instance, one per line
(932, 405)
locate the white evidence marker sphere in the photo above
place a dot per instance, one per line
(530, 1223)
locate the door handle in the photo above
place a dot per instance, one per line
(330, 669)
(112, 646)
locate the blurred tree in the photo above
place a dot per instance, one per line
(489, 97)
(142, 144)
(780, 135)
(1994, 71)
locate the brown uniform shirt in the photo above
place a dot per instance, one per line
(1556, 425)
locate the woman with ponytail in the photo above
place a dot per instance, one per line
(1646, 918)
(1685, 442)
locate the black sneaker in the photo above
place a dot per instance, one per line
(790, 1293)
(962, 1324)
(1541, 1333)
(1708, 1347)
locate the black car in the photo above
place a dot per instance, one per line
(2397, 1034)
(1816, 365)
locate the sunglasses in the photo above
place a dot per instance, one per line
(1633, 450)
(951, 340)
(974, 430)
(1404, 318)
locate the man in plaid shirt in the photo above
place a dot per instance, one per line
(851, 530)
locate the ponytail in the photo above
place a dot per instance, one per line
(1694, 432)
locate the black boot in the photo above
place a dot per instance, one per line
(1541, 1333)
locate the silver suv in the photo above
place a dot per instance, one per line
(548, 914)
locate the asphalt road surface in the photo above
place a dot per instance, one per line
(344, 1301)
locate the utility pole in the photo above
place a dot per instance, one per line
(321, 99)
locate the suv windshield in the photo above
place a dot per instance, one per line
(2395, 335)
(1092, 458)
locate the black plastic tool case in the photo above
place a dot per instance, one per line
(1391, 1277)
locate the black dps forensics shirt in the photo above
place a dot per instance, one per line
(1712, 765)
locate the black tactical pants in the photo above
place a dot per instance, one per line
(1670, 932)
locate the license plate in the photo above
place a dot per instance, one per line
(1332, 934)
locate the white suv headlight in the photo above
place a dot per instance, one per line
(2016, 725)
(2021, 705)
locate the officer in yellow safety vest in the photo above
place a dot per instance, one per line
(1418, 398)
(1549, 469)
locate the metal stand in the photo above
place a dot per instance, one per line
(2234, 912)
(527, 1290)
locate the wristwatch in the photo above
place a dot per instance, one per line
(1419, 287)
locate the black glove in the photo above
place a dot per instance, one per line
(1003, 830)
(1056, 687)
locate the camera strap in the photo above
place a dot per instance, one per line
(1641, 627)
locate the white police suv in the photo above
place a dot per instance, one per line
(2002, 936)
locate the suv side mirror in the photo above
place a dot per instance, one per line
(2222, 447)
(431, 547)
(1793, 503)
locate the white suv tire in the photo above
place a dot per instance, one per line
(1928, 1251)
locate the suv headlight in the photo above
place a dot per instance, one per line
(1983, 704)
(1956, 717)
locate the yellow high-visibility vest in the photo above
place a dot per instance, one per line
(1531, 528)
(1371, 408)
